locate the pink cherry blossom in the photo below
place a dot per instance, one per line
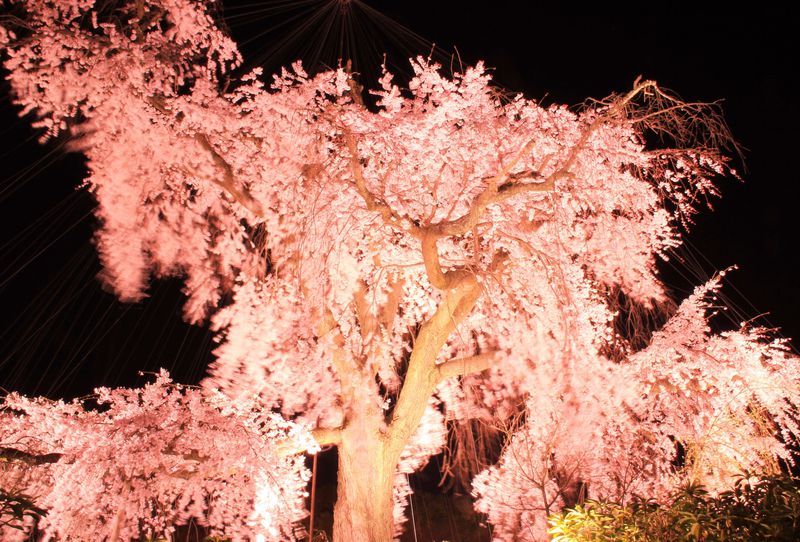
(447, 253)
(149, 459)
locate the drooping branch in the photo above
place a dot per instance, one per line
(228, 182)
(15, 506)
(506, 184)
(692, 126)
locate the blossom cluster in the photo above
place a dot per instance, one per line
(143, 461)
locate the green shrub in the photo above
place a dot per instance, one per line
(765, 510)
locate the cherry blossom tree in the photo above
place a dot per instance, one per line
(728, 399)
(151, 459)
(376, 266)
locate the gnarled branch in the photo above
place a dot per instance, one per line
(433, 267)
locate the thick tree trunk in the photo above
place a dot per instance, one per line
(363, 510)
(369, 448)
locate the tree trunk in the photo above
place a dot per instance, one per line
(363, 510)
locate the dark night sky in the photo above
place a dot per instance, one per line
(60, 334)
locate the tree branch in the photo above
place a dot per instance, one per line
(513, 185)
(422, 376)
(12, 454)
(327, 437)
(228, 182)
(501, 186)
(462, 225)
(323, 437)
(433, 267)
(373, 204)
(465, 366)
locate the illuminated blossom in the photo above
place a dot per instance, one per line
(153, 458)
(447, 253)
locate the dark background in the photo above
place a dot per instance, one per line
(61, 335)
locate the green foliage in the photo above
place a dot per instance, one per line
(767, 509)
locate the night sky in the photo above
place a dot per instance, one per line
(62, 335)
